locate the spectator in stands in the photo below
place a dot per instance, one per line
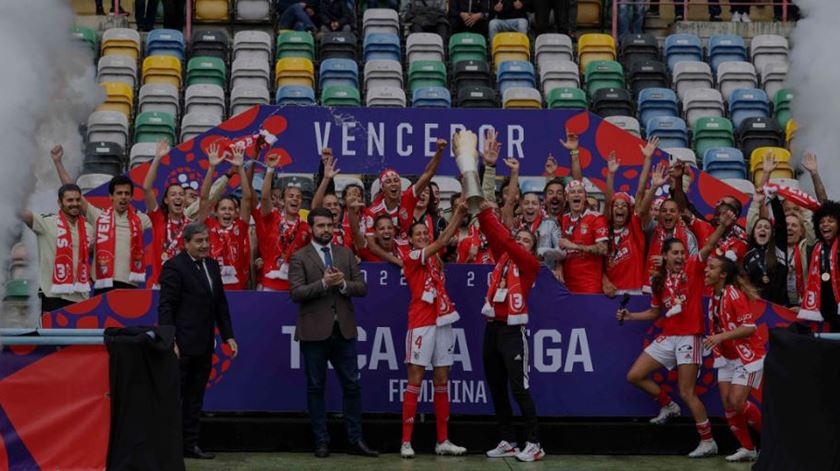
(796, 256)
(740, 13)
(509, 15)
(392, 4)
(145, 12)
(173, 14)
(792, 10)
(822, 287)
(336, 16)
(765, 262)
(100, 10)
(565, 16)
(63, 246)
(714, 10)
(469, 16)
(118, 256)
(426, 16)
(631, 17)
(299, 16)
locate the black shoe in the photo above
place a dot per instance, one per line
(322, 450)
(197, 453)
(361, 449)
(121, 12)
(100, 11)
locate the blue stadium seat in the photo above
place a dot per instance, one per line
(338, 72)
(654, 102)
(431, 97)
(515, 74)
(671, 131)
(165, 42)
(748, 103)
(382, 46)
(725, 162)
(726, 48)
(297, 95)
(682, 47)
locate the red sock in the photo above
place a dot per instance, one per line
(753, 414)
(409, 410)
(442, 412)
(704, 429)
(738, 425)
(663, 398)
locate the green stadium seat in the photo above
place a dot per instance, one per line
(153, 126)
(423, 74)
(17, 289)
(206, 69)
(341, 95)
(467, 46)
(295, 44)
(87, 35)
(603, 74)
(781, 104)
(710, 132)
(567, 97)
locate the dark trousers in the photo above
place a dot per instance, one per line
(506, 364)
(145, 11)
(117, 284)
(52, 304)
(173, 14)
(195, 371)
(565, 16)
(341, 353)
(456, 25)
(740, 8)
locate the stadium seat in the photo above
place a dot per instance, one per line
(118, 97)
(782, 106)
(521, 98)
(160, 97)
(550, 48)
(700, 102)
(476, 97)
(724, 162)
(726, 48)
(467, 46)
(509, 46)
(295, 44)
(613, 102)
(780, 155)
(744, 186)
(87, 36)
(343, 181)
(589, 13)
(104, 158)
(205, 98)
(253, 10)
(108, 126)
(211, 11)
(252, 45)
(294, 71)
(245, 71)
(210, 70)
(567, 97)
(671, 131)
(627, 123)
(86, 182)
(515, 74)
(165, 42)
(383, 73)
(154, 126)
(561, 73)
(774, 77)
(758, 132)
(338, 72)
(141, 153)
(243, 97)
(747, 103)
(295, 95)
(431, 97)
(689, 75)
(338, 46)
(340, 95)
(472, 73)
(710, 132)
(655, 102)
(768, 48)
(162, 70)
(194, 124)
(382, 46)
(682, 47)
(790, 133)
(211, 43)
(385, 97)
(593, 47)
(380, 20)
(117, 68)
(603, 74)
(121, 41)
(734, 75)
(682, 154)
(638, 47)
(423, 74)
(424, 47)
(448, 186)
(647, 74)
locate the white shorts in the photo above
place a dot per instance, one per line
(733, 371)
(430, 345)
(673, 350)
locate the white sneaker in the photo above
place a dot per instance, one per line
(743, 455)
(671, 410)
(745, 18)
(532, 452)
(503, 449)
(704, 449)
(736, 17)
(406, 451)
(449, 448)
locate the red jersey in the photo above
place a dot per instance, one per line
(343, 233)
(474, 238)
(367, 255)
(736, 239)
(402, 215)
(728, 311)
(583, 272)
(681, 299)
(278, 239)
(231, 247)
(166, 241)
(626, 263)
(426, 283)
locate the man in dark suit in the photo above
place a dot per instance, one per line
(192, 298)
(323, 277)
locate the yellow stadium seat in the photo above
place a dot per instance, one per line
(511, 42)
(295, 71)
(790, 132)
(595, 46)
(119, 97)
(589, 13)
(162, 70)
(212, 10)
(780, 155)
(121, 41)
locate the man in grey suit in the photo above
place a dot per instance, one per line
(323, 277)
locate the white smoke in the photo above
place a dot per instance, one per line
(815, 77)
(47, 90)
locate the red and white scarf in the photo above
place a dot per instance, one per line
(657, 240)
(674, 292)
(285, 235)
(173, 242)
(64, 280)
(811, 300)
(506, 276)
(106, 248)
(794, 195)
(436, 283)
(225, 244)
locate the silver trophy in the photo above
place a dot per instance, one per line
(465, 145)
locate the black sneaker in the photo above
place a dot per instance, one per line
(100, 11)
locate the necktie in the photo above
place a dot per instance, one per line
(328, 262)
(200, 265)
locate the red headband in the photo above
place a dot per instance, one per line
(388, 172)
(624, 196)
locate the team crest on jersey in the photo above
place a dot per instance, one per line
(584, 229)
(403, 213)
